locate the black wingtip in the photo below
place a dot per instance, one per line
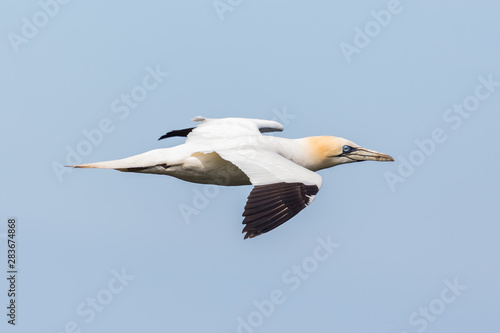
(250, 234)
(182, 132)
(269, 206)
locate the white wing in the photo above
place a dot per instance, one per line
(211, 129)
(281, 188)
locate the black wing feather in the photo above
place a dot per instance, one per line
(269, 206)
(182, 132)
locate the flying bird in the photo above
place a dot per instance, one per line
(233, 151)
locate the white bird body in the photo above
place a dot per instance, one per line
(232, 151)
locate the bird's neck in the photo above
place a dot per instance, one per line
(301, 152)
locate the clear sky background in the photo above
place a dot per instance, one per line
(416, 242)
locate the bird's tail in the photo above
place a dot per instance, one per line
(115, 164)
(144, 160)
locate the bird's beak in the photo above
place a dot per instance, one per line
(363, 154)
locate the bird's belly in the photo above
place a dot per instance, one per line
(208, 169)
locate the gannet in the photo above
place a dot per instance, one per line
(233, 151)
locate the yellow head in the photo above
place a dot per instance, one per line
(329, 151)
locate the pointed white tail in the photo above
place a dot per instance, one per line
(147, 159)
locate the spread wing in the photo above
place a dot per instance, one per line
(211, 129)
(281, 188)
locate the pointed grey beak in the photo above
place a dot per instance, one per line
(363, 154)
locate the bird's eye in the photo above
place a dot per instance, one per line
(346, 149)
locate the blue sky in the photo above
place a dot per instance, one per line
(408, 246)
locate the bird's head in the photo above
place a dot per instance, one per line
(331, 151)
